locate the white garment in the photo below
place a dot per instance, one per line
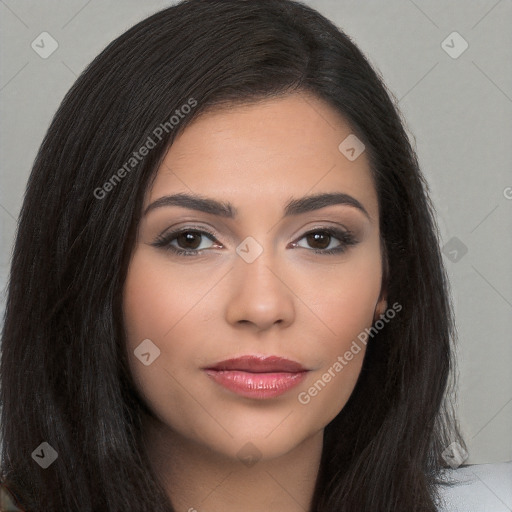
(479, 488)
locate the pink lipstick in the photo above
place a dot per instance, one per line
(257, 376)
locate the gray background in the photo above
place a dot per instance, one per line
(458, 112)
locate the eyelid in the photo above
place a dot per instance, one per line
(184, 229)
(345, 236)
(163, 241)
(339, 228)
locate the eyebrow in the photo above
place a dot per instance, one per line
(223, 209)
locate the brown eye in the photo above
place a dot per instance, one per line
(188, 240)
(319, 240)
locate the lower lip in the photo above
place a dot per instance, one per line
(257, 385)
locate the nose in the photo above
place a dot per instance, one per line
(260, 295)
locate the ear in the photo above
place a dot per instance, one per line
(380, 308)
(382, 302)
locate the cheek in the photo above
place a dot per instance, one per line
(343, 297)
(328, 390)
(343, 301)
(156, 297)
(154, 309)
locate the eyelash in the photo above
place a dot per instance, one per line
(346, 239)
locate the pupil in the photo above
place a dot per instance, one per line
(187, 238)
(317, 237)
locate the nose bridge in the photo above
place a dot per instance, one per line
(256, 260)
(259, 294)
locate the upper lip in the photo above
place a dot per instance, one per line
(259, 364)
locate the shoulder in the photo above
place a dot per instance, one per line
(478, 488)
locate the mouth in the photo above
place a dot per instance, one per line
(259, 377)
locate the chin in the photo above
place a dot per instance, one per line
(259, 435)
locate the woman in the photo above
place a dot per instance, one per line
(228, 272)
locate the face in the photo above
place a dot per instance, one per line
(248, 269)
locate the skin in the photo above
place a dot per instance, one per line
(291, 302)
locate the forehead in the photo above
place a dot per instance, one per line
(267, 150)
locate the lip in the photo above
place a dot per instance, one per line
(259, 377)
(259, 364)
